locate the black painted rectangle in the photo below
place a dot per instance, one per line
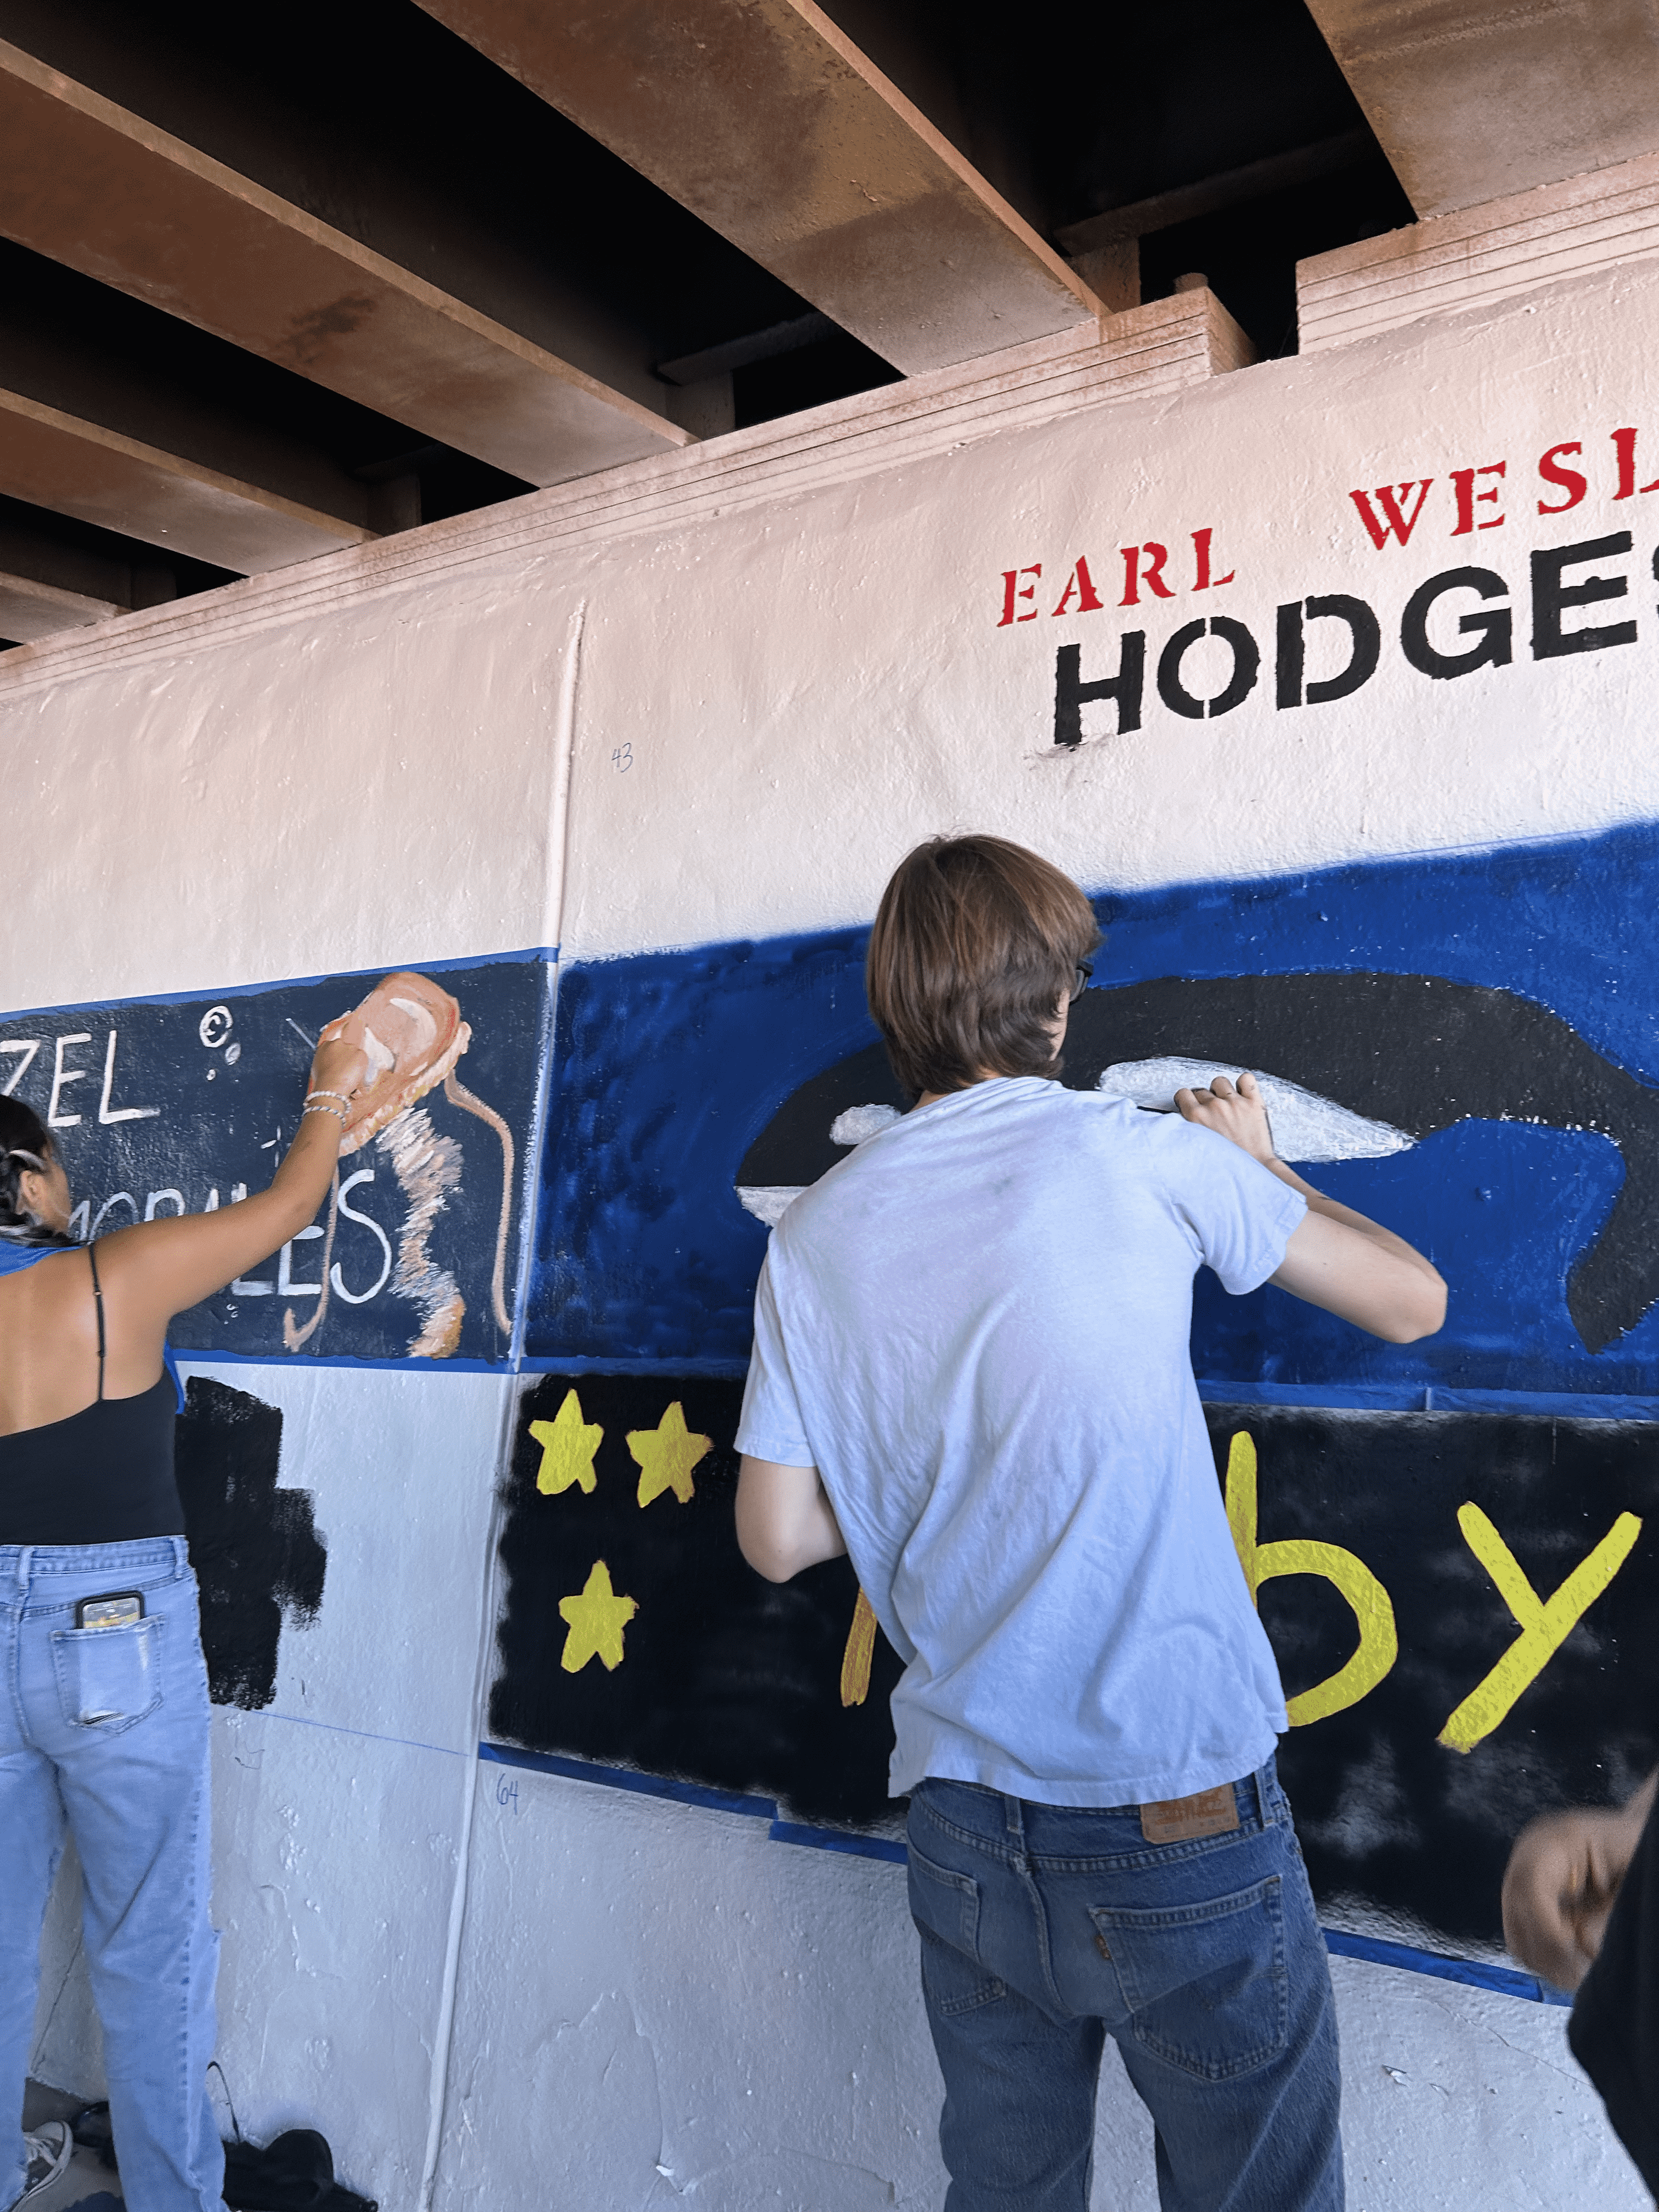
(1388, 1816)
(733, 1683)
(726, 1680)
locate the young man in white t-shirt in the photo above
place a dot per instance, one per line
(971, 1371)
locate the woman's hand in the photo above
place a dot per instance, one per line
(339, 1065)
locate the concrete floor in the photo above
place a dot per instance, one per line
(87, 2182)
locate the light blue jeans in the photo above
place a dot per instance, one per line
(1044, 1929)
(106, 1730)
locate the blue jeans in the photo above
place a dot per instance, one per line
(1045, 1929)
(106, 1730)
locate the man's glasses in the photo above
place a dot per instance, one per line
(1084, 969)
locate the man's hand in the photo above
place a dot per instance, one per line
(1336, 1258)
(1233, 1110)
(1561, 1883)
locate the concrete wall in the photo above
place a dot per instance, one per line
(677, 725)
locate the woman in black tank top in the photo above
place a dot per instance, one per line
(104, 1709)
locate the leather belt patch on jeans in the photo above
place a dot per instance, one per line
(1179, 1819)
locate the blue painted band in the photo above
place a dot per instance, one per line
(1507, 1981)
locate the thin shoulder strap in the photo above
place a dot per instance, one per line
(98, 1293)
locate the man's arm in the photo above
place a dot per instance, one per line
(1561, 1882)
(784, 1519)
(1336, 1258)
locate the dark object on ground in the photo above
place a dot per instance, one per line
(91, 2130)
(1614, 2028)
(294, 2174)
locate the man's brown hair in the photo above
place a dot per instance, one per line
(975, 942)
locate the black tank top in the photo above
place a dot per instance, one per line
(103, 1475)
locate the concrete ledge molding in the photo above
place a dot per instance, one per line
(1481, 254)
(1151, 352)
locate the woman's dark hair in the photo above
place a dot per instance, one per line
(976, 943)
(24, 1143)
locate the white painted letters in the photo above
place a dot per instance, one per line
(349, 1212)
(27, 1047)
(108, 1113)
(62, 1077)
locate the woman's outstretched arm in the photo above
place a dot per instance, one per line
(154, 1269)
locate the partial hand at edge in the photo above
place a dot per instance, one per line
(1561, 1884)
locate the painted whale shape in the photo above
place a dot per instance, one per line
(1414, 1053)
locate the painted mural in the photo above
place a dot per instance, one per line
(181, 1105)
(1451, 1542)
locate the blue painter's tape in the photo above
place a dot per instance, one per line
(1417, 1398)
(838, 1839)
(1505, 1981)
(625, 1777)
(1508, 1981)
(203, 1363)
(719, 1370)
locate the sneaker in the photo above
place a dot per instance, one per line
(48, 2150)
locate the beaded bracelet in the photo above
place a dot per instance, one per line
(343, 1097)
(341, 1118)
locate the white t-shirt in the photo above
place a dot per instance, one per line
(976, 1328)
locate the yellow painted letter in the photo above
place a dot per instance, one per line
(1373, 1609)
(861, 1650)
(1544, 1622)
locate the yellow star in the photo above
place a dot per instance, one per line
(568, 1443)
(597, 1619)
(666, 1456)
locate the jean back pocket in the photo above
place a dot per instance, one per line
(1206, 1983)
(944, 1905)
(107, 1678)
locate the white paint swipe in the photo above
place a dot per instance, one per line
(1305, 1126)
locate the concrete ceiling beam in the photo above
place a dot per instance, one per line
(1472, 100)
(91, 184)
(46, 588)
(71, 466)
(766, 121)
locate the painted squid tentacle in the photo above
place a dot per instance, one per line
(292, 1337)
(459, 1095)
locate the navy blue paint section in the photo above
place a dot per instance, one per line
(666, 1069)
(227, 1108)
(670, 1065)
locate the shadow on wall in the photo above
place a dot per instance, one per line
(255, 1551)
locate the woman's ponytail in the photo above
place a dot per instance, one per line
(24, 1143)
